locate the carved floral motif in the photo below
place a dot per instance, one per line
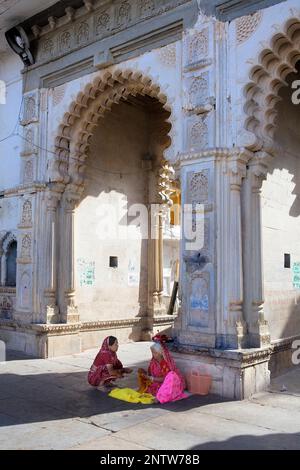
(26, 218)
(246, 25)
(198, 47)
(26, 246)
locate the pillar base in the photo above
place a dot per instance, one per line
(71, 315)
(51, 340)
(52, 314)
(236, 374)
(259, 335)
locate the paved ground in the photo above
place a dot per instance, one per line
(47, 404)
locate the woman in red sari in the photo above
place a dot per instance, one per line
(163, 380)
(106, 367)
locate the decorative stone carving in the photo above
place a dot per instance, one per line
(28, 144)
(198, 134)
(103, 23)
(167, 55)
(47, 49)
(198, 47)
(82, 33)
(30, 109)
(65, 41)
(26, 246)
(198, 90)
(147, 7)
(26, 218)
(5, 303)
(277, 62)
(9, 238)
(6, 307)
(121, 82)
(99, 19)
(28, 172)
(198, 187)
(246, 25)
(123, 14)
(58, 94)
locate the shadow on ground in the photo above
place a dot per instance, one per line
(282, 441)
(40, 397)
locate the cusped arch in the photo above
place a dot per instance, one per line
(8, 240)
(275, 62)
(78, 124)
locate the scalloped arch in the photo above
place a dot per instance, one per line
(8, 239)
(79, 122)
(277, 60)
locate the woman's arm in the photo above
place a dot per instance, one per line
(113, 371)
(156, 379)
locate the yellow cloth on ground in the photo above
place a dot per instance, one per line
(132, 396)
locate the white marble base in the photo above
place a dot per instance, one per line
(236, 374)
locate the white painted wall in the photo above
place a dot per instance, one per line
(118, 145)
(10, 72)
(281, 223)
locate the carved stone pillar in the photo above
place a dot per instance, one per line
(51, 235)
(258, 327)
(69, 313)
(196, 324)
(211, 274)
(235, 323)
(156, 260)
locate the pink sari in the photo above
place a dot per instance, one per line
(98, 374)
(173, 385)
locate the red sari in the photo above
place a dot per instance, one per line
(99, 374)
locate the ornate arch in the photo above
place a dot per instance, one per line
(275, 63)
(3, 234)
(8, 240)
(78, 124)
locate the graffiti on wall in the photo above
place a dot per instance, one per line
(296, 275)
(86, 272)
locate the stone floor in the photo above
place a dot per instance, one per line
(47, 404)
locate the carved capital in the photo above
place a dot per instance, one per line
(258, 168)
(52, 198)
(237, 160)
(70, 199)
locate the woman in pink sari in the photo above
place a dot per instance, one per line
(163, 380)
(106, 367)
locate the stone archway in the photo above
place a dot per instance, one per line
(275, 63)
(66, 175)
(90, 105)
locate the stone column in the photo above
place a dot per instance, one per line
(258, 327)
(51, 235)
(156, 257)
(69, 201)
(235, 323)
